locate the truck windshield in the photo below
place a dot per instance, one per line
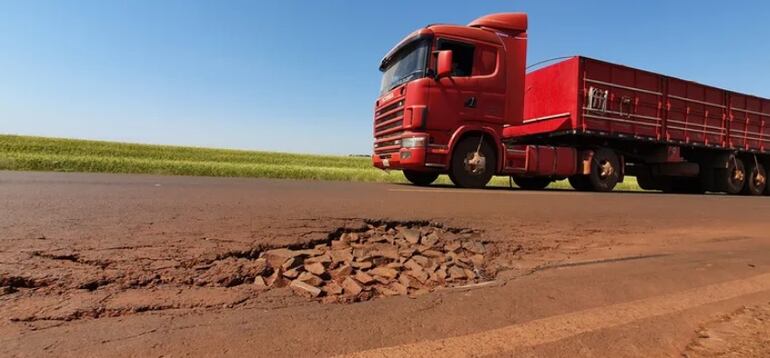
(406, 64)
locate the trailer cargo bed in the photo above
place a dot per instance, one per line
(583, 96)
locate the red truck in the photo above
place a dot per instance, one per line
(458, 100)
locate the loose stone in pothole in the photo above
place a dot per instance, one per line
(384, 260)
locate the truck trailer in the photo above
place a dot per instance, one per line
(458, 100)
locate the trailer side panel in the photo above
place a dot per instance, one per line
(617, 101)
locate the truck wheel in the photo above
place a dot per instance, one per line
(473, 163)
(420, 178)
(532, 183)
(767, 186)
(605, 170)
(580, 182)
(756, 180)
(732, 177)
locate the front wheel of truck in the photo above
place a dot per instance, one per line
(420, 178)
(473, 163)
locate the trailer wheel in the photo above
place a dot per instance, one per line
(756, 180)
(420, 178)
(473, 163)
(732, 177)
(605, 170)
(580, 182)
(536, 183)
(767, 186)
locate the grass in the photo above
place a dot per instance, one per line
(70, 155)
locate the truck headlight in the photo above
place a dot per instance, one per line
(413, 142)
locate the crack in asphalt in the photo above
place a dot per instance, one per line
(104, 341)
(126, 274)
(102, 312)
(72, 257)
(597, 262)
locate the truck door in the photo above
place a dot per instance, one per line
(476, 90)
(489, 74)
(454, 99)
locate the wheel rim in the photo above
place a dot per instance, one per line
(606, 169)
(759, 179)
(738, 175)
(475, 163)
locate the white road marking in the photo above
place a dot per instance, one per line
(552, 329)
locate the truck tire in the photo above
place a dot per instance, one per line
(473, 165)
(536, 183)
(605, 170)
(580, 182)
(731, 176)
(756, 179)
(420, 178)
(767, 186)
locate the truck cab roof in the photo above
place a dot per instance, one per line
(486, 29)
(465, 32)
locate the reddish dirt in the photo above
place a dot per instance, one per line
(143, 265)
(743, 333)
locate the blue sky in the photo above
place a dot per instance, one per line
(301, 76)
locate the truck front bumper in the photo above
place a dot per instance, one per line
(404, 158)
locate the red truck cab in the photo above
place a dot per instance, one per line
(446, 87)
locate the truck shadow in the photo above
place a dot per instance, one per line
(552, 190)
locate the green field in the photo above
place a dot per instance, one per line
(69, 155)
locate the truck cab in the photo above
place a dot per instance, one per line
(447, 93)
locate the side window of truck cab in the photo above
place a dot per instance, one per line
(486, 61)
(462, 56)
(469, 60)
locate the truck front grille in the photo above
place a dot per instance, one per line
(388, 125)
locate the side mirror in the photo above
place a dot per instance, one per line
(444, 64)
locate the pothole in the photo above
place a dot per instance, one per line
(354, 263)
(382, 259)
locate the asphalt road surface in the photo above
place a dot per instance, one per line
(96, 265)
